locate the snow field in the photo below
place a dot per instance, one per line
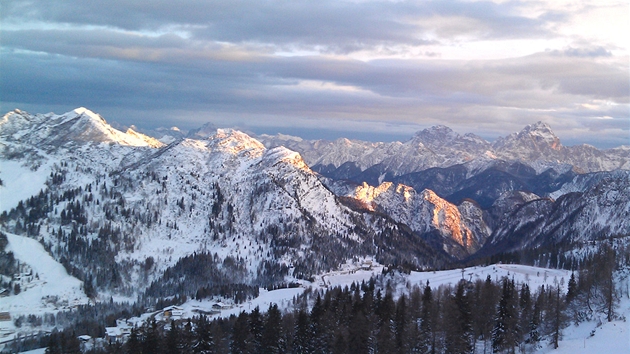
(53, 281)
(20, 183)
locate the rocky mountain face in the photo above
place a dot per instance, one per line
(535, 146)
(459, 229)
(511, 188)
(120, 208)
(597, 207)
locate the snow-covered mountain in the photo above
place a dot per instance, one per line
(460, 229)
(593, 207)
(81, 125)
(535, 146)
(121, 208)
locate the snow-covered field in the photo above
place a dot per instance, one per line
(610, 338)
(353, 273)
(19, 183)
(47, 290)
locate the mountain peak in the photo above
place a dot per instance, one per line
(437, 132)
(236, 142)
(203, 132)
(86, 113)
(538, 128)
(535, 136)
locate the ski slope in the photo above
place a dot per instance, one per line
(54, 290)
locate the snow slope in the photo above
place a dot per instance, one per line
(38, 296)
(19, 182)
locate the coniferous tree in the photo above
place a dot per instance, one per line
(571, 288)
(151, 342)
(73, 346)
(534, 336)
(340, 346)
(241, 336)
(504, 335)
(525, 311)
(319, 340)
(173, 343)
(458, 321)
(188, 337)
(133, 345)
(302, 337)
(401, 325)
(385, 340)
(204, 343)
(272, 337)
(485, 310)
(221, 342)
(426, 319)
(256, 329)
(54, 346)
(359, 333)
(555, 315)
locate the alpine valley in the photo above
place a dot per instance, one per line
(220, 213)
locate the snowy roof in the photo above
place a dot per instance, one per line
(171, 308)
(112, 331)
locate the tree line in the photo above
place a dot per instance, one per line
(482, 316)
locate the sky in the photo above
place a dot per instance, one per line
(373, 70)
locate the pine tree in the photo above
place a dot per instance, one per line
(188, 338)
(504, 335)
(256, 328)
(536, 318)
(401, 325)
(340, 346)
(458, 321)
(571, 288)
(302, 338)
(241, 337)
(133, 345)
(173, 343)
(426, 325)
(358, 332)
(151, 343)
(73, 346)
(385, 341)
(204, 343)
(53, 345)
(485, 310)
(525, 310)
(272, 341)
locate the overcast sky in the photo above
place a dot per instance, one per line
(377, 70)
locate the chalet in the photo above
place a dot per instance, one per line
(4, 292)
(367, 265)
(173, 313)
(85, 338)
(112, 335)
(221, 306)
(5, 316)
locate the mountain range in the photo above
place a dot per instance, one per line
(119, 209)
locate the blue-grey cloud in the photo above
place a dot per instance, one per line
(181, 63)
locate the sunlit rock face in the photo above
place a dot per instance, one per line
(462, 228)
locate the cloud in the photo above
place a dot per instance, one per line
(329, 26)
(343, 65)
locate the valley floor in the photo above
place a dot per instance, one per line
(54, 282)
